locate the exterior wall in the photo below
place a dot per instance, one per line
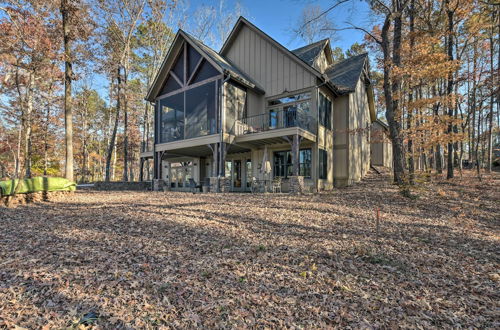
(341, 140)
(381, 147)
(268, 65)
(256, 104)
(359, 133)
(321, 62)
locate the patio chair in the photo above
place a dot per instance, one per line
(194, 186)
(254, 186)
(276, 185)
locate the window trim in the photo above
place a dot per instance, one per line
(286, 165)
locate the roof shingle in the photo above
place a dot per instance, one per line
(310, 52)
(345, 74)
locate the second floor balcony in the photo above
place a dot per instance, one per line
(275, 120)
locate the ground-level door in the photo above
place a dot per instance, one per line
(239, 171)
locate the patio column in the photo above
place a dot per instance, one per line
(215, 158)
(295, 154)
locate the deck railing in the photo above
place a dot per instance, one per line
(276, 119)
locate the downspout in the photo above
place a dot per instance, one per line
(221, 122)
(155, 130)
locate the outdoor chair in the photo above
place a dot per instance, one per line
(194, 186)
(254, 186)
(276, 185)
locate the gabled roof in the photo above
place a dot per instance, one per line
(243, 21)
(226, 65)
(310, 53)
(345, 74)
(220, 63)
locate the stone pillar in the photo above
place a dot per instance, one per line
(221, 184)
(296, 184)
(225, 184)
(214, 184)
(158, 184)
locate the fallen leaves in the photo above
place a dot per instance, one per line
(152, 260)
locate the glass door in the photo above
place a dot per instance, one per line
(237, 183)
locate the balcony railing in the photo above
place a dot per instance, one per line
(276, 119)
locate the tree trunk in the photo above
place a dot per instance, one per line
(392, 104)
(27, 126)
(449, 92)
(492, 100)
(411, 165)
(125, 127)
(68, 76)
(111, 146)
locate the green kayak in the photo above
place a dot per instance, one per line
(36, 184)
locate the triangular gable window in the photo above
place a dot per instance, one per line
(204, 72)
(193, 60)
(178, 68)
(170, 85)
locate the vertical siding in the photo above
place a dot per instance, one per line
(266, 64)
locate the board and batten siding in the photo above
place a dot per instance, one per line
(268, 65)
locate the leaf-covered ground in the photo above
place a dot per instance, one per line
(150, 259)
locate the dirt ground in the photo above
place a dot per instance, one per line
(178, 260)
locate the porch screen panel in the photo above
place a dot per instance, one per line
(172, 118)
(200, 111)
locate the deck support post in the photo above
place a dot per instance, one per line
(295, 154)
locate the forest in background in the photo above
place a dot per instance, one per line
(435, 66)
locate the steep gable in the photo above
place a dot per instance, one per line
(266, 61)
(202, 63)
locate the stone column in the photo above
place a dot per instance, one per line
(296, 184)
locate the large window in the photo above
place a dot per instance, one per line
(291, 111)
(283, 165)
(325, 111)
(323, 164)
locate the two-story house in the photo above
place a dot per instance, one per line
(256, 110)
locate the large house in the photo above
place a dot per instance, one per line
(258, 111)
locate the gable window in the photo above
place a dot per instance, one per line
(325, 111)
(283, 165)
(291, 111)
(188, 110)
(323, 164)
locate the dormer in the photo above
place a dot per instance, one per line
(318, 54)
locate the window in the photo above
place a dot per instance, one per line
(323, 164)
(291, 111)
(325, 111)
(283, 165)
(290, 99)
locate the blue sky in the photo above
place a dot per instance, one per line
(276, 17)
